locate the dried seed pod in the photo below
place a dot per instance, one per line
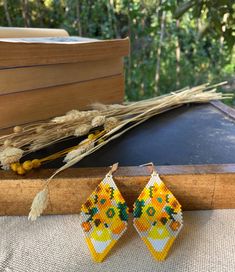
(82, 130)
(110, 123)
(17, 129)
(7, 143)
(10, 155)
(98, 121)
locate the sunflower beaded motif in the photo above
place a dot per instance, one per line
(157, 217)
(104, 218)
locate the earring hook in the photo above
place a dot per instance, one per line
(150, 166)
(114, 168)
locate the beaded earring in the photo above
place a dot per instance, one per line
(104, 217)
(157, 216)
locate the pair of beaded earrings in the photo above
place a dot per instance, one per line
(157, 217)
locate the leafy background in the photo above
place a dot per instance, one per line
(174, 43)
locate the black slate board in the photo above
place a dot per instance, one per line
(191, 134)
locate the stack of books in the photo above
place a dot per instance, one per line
(43, 77)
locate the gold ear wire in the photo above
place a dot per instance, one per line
(114, 168)
(150, 166)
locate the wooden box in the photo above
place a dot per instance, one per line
(45, 77)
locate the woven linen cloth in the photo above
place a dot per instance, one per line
(56, 243)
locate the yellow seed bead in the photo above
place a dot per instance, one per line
(17, 129)
(91, 136)
(14, 166)
(20, 170)
(27, 165)
(100, 141)
(36, 163)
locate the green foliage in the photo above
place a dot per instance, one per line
(197, 43)
(217, 17)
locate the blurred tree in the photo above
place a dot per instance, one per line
(8, 18)
(217, 18)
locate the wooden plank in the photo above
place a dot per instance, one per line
(44, 76)
(18, 54)
(29, 106)
(23, 32)
(224, 184)
(224, 108)
(196, 187)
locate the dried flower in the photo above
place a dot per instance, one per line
(82, 130)
(75, 115)
(99, 106)
(38, 142)
(17, 129)
(98, 121)
(10, 155)
(72, 112)
(83, 147)
(40, 129)
(115, 106)
(7, 143)
(110, 123)
(30, 137)
(39, 204)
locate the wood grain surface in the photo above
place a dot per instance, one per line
(224, 108)
(29, 106)
(43, 76)
(20, 54)
(196, 187)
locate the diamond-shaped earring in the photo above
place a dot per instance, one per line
(104, 217)
(157, 216)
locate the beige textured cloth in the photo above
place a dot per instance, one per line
(55, 243)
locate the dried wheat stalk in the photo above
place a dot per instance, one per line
(115, 120)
